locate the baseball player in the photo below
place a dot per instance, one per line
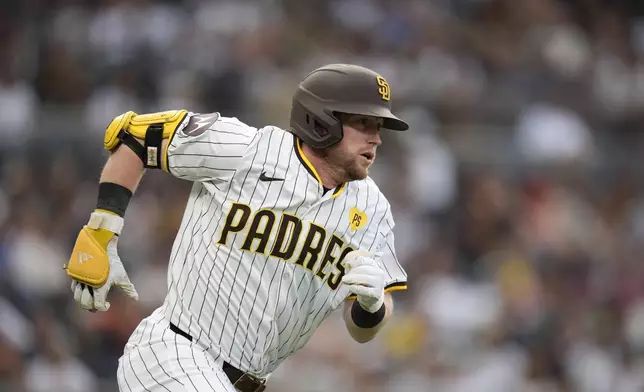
(281, 228)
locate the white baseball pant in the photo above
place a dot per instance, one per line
(158, 360)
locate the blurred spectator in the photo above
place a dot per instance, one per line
(54, 368)
(18, 107)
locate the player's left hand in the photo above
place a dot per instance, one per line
(95, 266)
(365, 279)
(95, 298)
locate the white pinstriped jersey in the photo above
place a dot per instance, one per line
(257, 261)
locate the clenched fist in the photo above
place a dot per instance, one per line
(365, 278)
(95, 265)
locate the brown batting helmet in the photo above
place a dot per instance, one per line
(334, 89)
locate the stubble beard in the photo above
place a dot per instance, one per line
(346, 169)
(355, 171)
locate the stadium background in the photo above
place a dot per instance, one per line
(517, 192)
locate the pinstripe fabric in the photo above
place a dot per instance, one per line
(159, 360)
(227, 287)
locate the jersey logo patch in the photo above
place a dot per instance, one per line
(200, 123)
(265, 178)
(357, 218)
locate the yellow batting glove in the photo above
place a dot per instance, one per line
(95, 265)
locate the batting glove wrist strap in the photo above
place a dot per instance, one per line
(365, 319)
(105, 220)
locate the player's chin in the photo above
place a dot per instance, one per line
(358, 172)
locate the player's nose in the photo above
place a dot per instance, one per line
(376, 138)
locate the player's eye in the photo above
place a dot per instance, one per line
(366, 123)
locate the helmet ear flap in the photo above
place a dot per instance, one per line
(317, 128)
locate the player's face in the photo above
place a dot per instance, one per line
(357, 150)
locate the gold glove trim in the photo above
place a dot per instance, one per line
(89, 262)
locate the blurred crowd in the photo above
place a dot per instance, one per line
(517, 191)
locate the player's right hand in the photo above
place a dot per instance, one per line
(365, 278)
(95, 265)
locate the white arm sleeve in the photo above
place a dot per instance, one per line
(385, 254)
(208, 147)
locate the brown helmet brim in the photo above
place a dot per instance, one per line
(390, 121)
